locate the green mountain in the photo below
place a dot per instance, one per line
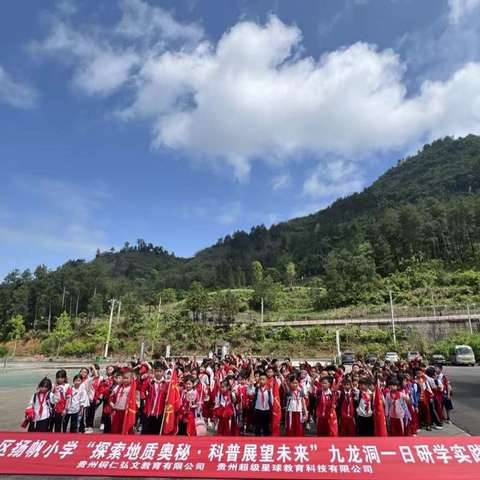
(427, 207)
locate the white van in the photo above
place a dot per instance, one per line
(464, 355)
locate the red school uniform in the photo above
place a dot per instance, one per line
(346, 409)
(154, 394)
(224, 411)
(294, 413)
(190, 403)
(324, 408)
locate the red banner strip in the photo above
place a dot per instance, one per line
(339, 458)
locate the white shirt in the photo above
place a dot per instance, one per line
(122, 398)
(79, 399)
(41, 407)
(295, 403)
(263, 399)
(364, 408)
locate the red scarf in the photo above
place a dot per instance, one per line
(366, 397)
(325, 397)
(347, 404)
(41, 401)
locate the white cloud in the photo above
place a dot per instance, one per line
(336, 178)
(254, 96)
(101, 60)
(154, 24)
(14, 93)
(281, 181)
(459, 9)
(251, 96)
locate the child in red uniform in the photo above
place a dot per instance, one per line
(396, 409)
(108, 389)
(39, 408)
(295, 409)
(119, 403)
(190, 401)
(59, 396)
(324, 406)
(224, 410)
(346, 410)
(154, 406)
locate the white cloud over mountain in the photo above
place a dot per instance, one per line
(255, 96)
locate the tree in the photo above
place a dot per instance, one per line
(131, 307)
(197, 300)
(15, 330)
(95, 306)
(350, 276)
(225, 305)
(168, 295)
(270, 291)
(257, 272)
(63, 330)
(290, 273)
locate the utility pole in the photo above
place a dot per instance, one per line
(159, 304)
(261, 310)
(433, 305)
(112, 301)
(339, 353)
(392, 314)
(470, 319)
(142, 350)
(63, 296)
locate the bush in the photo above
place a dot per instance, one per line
(78, 348)
(3, 351)
(48, 346)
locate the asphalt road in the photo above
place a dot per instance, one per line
(466, 397)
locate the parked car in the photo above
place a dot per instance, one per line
(348, 358)
(412, 356)
(371, 358)
(392, 357)
(463, 355)
(438, 359)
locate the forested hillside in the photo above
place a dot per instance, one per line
(421, 215)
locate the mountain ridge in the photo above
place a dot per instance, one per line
(426, 207)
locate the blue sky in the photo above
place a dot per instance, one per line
(182, 121)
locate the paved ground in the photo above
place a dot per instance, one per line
(466, 397)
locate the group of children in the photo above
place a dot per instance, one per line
(242, 395)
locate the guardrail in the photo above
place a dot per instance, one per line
(374, 321)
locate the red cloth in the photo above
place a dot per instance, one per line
(276, 409)
(187, 414)
(396, 427)
(224, 428)
(155, 396)
(348, 427)
(379, 413)
(438, 403)
(332, 418)
(324, 409)
(130, 413)
(172, 406)
(414, 425)
(293, 424)
(117, 421)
